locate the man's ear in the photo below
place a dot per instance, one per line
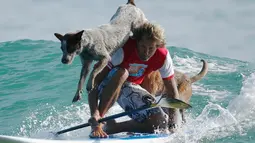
(78, 35)
(59, 36)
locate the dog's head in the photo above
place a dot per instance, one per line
(70, 45)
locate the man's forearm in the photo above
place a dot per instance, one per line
(172, 92)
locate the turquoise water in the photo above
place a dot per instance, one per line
(36, 91)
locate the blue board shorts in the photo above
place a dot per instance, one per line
(132, 96)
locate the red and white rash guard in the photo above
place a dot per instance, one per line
(127, 57)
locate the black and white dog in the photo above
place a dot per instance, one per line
(100, 43)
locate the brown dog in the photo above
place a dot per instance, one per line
(154, 84)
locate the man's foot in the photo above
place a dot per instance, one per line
(98, 132)
(97, 129)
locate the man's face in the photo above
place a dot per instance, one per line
(146, 48)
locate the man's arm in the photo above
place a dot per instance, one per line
(116, 59)
(93, 95)
(167, 74)
(172, 92)
(93, 105)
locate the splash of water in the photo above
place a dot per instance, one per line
(216, 122)
(242, 107)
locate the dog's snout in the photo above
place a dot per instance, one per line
(67, 59)
(64, 60)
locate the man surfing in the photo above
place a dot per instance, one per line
(120, 81)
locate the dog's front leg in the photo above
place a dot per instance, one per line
(84, 72)
(97, 68)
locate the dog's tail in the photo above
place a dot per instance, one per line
(201, 74)
(131, 2)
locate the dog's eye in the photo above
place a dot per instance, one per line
(72, 46)
(71, 49)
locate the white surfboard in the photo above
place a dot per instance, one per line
(149, 138)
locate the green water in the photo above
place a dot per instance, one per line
(36, 91)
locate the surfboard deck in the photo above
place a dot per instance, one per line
(148, 138)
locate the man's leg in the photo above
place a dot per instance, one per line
(93, 95)
(146, 121)
(149, 125)
(109, 95)
(110, 92)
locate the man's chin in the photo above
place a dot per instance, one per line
(144, 59)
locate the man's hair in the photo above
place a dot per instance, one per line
(153, 31)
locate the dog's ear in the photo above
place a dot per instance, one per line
(78, 35)
(59, 36)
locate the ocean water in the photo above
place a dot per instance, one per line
(36, 89)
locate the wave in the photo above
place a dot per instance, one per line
(222, 101)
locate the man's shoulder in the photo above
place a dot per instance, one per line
(162, 51)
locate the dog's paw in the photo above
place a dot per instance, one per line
(77, 96)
